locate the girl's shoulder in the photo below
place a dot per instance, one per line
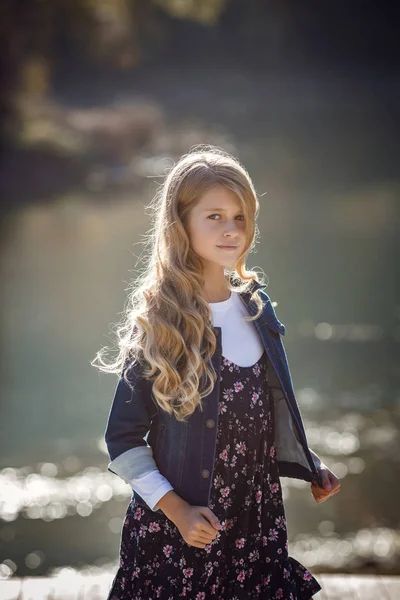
(269, 316)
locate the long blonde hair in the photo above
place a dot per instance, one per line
(166, 326)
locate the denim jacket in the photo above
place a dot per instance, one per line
(141, 437)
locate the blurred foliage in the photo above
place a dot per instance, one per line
(205, 11)
(40, 35)
(122, 33)
(45, 41)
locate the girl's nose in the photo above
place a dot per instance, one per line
(231, 229)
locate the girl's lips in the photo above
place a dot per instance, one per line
(227, 247)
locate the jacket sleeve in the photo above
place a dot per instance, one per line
(128, 423)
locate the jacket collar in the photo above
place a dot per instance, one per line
(254, 285)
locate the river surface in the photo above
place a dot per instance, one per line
(328, 244)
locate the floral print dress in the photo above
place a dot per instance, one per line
(248, 559)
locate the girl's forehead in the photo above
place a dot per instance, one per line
(218, 198)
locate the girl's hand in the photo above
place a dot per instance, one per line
(198, 525)
(330, 482)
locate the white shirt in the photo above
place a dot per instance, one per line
(242, 345)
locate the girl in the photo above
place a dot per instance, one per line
(204, 418)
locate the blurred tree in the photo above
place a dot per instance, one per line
(44, 39)
(28, 37)
(204, 11)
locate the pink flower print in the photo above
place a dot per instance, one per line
(273, 535)
(307, 575)
(225, 491)
(272, 451)
(241, 576)
(142, 531)
(228, 503)
(167, 550)
(241, 448)
(264, 540)
(154, 527)
(228, 394)
(201, 596)
(224, 454)
(240, 543)
(238, 386)
(256, 369)
(253, 400)
(254, 556)
(138, 513)
(226, 362)
(218, 481)
(228, 524)
(188, 572)
(274, 487)
(267, 579)
(279, 593)
(221, 408)
(280, 522)
(258, 496)
(286, 573)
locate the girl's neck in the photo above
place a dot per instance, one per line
(217, 294)
(216, 288)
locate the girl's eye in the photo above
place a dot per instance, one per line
(217, 215)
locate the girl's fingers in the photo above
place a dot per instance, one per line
(203, 539)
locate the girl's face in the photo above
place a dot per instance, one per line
(216, 221)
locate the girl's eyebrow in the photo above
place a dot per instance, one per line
(220, 209)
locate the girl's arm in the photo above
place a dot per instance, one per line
(128, 423)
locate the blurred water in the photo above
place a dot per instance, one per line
(329, 255)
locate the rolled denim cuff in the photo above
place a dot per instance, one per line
(133, 463)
